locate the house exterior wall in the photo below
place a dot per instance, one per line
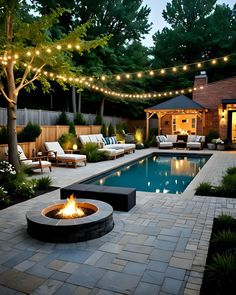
(211, 97)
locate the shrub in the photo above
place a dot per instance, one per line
(224, 239)
(67, 140)
(43, 183)
(79, 119)
(222, 270)
(63, 119)
(4, 198)
(231, 170)
(204, 189)
(229, 184)
(211, 135)
(6, 171)
(29, 133)
(98, 120)
(3, 135)
(104, 130)
(225, 220)
(111, 130)
(24, 189)
(72, 128)
(90, 149)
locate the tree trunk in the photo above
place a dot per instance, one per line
(74, 99)
(102, 107)
(79, 103)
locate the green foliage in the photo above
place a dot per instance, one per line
(231, 170)
(72, 128)
(90, 149)
(229, 184)
(3, 135)
(222, 270)
(213, 134)
(24, 189)
(44, 183)
(204, 189)
(67, 140)
(225, 220)
(29, 133)
(111, 130)
(63, 119)
(104, 130)
(4, 198)
(98, 120)
(152, 137)
(79, 119)
(224, 239)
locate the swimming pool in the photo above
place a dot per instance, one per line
(155, 173)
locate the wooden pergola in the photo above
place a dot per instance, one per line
(176, 106)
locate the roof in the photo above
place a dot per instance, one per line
(179, 102)
(228, 100)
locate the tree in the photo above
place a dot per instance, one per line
(43, 59)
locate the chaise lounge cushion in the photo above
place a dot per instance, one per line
(55, 151)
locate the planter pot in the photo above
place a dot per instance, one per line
(211, 146)
(220, 147)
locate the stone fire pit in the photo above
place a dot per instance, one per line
(59, 230)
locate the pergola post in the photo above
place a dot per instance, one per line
(147, 125)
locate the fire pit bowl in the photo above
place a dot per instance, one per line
(44, 226)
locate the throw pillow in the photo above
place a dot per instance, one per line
(162, 138)
(113, 140)
(198, 138)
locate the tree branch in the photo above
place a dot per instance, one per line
(4, 94)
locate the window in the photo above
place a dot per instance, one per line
(193, 123)
(174, 124)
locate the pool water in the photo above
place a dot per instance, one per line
(156, 173)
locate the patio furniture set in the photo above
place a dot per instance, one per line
(180, 141)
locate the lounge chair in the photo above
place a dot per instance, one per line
(56, 152)
(34, 163)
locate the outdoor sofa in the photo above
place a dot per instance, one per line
(107, 143)
(189, 141)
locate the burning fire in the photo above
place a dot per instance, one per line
(71, 209)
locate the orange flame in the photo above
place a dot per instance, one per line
(71, 209)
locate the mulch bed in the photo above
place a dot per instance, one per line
(210, 287)
(17, 200)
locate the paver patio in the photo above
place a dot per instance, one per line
(158, 247)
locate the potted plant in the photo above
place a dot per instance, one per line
(211, 145)
(220, 145)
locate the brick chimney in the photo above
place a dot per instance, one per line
(201, 80)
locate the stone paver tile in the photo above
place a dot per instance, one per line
(94, 258)
(8, 291)
(13, 261)
(24, 265)
(75, 255)
(165, 245)
(60, 276)
(108, 262)
(40, 270)
(66, 289)
(138, 248)
(135, 268)
(157, 265)
(118, 282)
(147, 289)
(38, 257)
(104, 292)
(19, 281)
(153, 277)
(136, 257)
(181, 263)
(82, 291)
(111, 247)
(56, 264)
(191, 247)
(86, 276)
(48, 287)
(172, 286)
(175, 273)
(161, 255)
(69, 267)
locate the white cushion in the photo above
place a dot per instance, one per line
(54, 146)
(171, 137)
(72, 157)
(191, 138)
(166, 144)
(93, 138)
(21, 153)
(84, 139)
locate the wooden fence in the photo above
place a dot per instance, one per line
(50, 133)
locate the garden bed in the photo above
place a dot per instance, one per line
(220, 271)
(16, 199)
